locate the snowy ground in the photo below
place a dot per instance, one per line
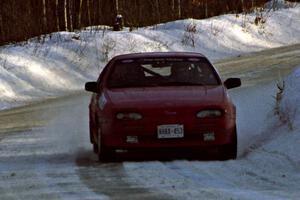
(60, 64)
(44, 148)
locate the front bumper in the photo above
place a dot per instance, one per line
(133, 136)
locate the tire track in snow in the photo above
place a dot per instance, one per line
(159, 176)
(29, 170)
(54, 162)
(112, 180)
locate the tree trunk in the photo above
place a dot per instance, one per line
(99, 17)
(173, 8)
(44, 17)
(206, 9)
(2, 37)
(70, 15)
(157, 10)
(117, 6)
(79, 14)
(89, 12)
(243, 6)
(57, 15)
(95, 9)
(65, 16)
(179, 9)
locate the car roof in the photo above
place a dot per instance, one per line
(158, 55)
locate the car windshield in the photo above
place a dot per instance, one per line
(150, 72)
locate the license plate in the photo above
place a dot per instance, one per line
(170, 131)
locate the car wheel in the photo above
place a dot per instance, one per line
(95, 148)
(95, 145)
(91, 132)
(229, 151)
(92, 140)
(104, 153)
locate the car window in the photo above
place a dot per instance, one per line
(162, 72)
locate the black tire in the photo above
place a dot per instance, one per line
(91, 133)
(104, 153)
(95, 148)
(229, 151)
(92, 140)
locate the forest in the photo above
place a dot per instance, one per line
(21, 20)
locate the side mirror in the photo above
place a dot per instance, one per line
(232, 83)
(91, 87)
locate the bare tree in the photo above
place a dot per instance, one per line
(65, 15)
(57, 15)
(79, 14)
(117, 6)
(2, 36)
(243, 6)
(44, 16)
(206, 9)
(70, 9)
(157, 10)
(179, 8)
(173, 8)
(99, 10)
(95, 11)
(89, 12)
(22, 19)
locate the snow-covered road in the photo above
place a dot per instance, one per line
(45, 154)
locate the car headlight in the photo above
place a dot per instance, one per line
(129, 116)
(209, 113)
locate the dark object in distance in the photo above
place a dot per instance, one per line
(118, 24)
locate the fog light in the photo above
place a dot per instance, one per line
(209, 136)
(132, 139)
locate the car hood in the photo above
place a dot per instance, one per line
(166, 95)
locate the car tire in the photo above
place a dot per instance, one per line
(104, 153)
(95, 148)
(229, 151)
(92, 140)
(91, 133)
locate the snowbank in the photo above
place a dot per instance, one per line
(60, 64)
(288, 132)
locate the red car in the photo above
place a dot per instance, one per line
(173, 100)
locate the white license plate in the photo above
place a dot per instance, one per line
(170, 131)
